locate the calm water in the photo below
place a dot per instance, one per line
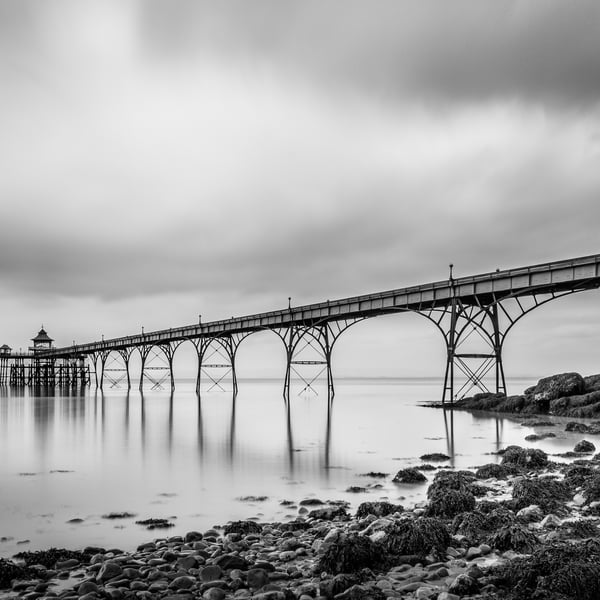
(84, 455)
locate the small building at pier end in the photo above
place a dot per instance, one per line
(42, 341)
(5, 350)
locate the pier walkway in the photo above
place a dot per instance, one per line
(474, 315)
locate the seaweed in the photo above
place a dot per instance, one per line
(561, 570)
(513, 537)
(379, 509)
(49, 558)
(584, 446)
(418, 537)
(580, 529)
(530, 458)
(9, 571)
(155, 523)
(349, 554)
(577, 475)
(495, 471)
(435, 457)
(242, 527)
(477, 525)
(450, 494)
(549, 494)
(591, 488)
(449, 503)
(410, 475)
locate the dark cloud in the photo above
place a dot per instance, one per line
(429, 51)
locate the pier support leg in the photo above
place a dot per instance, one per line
(216, 361)
(157, 365)
(474, 334)
(311, 346)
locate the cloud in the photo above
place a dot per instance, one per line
(450, 52)
(161, 159)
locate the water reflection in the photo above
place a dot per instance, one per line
(200, 427)
(232, 429)
(207, 451)
(76, 410)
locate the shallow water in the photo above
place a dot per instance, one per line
(81, 456)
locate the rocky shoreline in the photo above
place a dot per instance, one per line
(563, 395)
(522, 527)
(512, 529)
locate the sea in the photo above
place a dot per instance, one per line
(70, 458)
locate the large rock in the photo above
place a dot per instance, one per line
(109, 570)
(584, 405)
(557, 386)
(592, 383)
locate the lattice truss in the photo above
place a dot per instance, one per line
(308, 353)
(115, 368)
(157, 365)
(216, 362)
(475, 334)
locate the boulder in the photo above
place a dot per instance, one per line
(557, 386)
(109, 570)
(410, 475)
(529, 458)
(329, 513)
(568, 405)
(591, 383)
(349, 554)
(584, 446)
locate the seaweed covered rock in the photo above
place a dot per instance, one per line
(562, 571)
(536, 437)
(556, 386)
(494, 471)
(329, 513)
(584, 447)
(418, 537)
(450, 494)
(525, 458)
(410, 475)
(9, 571)
(579, 529)
(577, 406)
(49, 558)
(591, 383)
(577, 427)
(454, 480)
(449, 503)
(435, 457)
(576, 475)
(478, 524)
(492, 402)
(591, 488)
(547, 493)
(242, 527)
(514, 537)
(348, 554)
(379, 509)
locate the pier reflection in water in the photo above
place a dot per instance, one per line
(79, 455)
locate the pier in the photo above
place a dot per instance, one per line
(474, 314)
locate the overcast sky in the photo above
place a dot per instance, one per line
(165, 158)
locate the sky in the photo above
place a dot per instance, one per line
(161, 159)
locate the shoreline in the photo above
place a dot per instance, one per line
(498, 530)
(441, 549)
